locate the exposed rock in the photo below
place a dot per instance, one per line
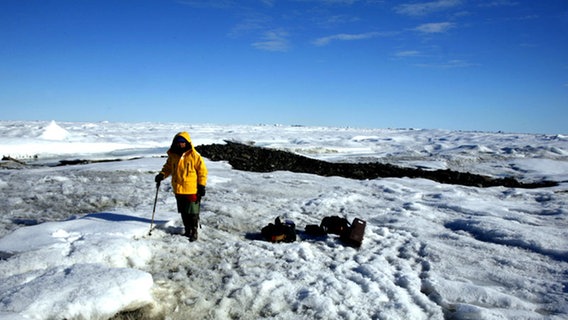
(258, 159)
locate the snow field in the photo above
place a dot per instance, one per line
(74, 240)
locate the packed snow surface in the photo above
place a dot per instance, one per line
(74, 240)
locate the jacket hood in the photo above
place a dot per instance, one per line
(182, 134)
(174, 148)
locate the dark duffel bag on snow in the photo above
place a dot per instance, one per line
(315, 230)
(334, 225)
(279, 232)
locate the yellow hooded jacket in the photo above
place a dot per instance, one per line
(187, 170)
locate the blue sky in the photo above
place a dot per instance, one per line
(451, 64)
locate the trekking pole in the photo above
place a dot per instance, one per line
(154, 210)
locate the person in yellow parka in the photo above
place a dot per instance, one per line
(189, 177)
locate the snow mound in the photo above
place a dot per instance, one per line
(54, 132)
(87, 291)
(75, 277)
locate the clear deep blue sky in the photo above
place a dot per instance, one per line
(452, 64)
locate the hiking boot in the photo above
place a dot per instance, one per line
(192, 234)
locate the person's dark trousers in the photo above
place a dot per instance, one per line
(188, 207)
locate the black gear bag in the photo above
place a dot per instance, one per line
(279, 232)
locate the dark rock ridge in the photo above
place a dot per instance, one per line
(257, 159)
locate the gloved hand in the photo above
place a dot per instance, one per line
(159, 178)
(200, 191)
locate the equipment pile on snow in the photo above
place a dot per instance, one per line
(350, 233)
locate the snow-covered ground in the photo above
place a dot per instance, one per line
(74, 240)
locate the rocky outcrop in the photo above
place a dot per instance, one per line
(257, 159)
